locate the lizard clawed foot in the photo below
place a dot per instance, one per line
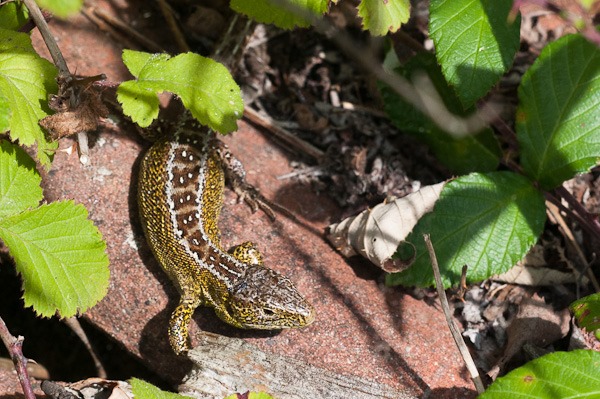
(236, 176)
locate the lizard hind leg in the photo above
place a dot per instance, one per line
(179, 324)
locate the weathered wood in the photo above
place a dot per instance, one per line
(223, 366)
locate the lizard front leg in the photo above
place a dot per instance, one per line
(179, 324)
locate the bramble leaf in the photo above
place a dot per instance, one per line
(205, 87)
(13, 15)
(474, 153)
(555, 375)
(145, 390)
(25, 81)
(19, 180)
(474, 43)
(587, 312)
(486, 221)
(557, 124)
(61, 8)
(381, 17)
(61, 256)
(266, 12)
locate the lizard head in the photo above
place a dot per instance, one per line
(266, 300)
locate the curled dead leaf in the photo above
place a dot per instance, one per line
(78, 106)
(376, 233)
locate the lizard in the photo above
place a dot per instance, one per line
(180, 195)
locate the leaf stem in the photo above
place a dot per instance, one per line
(460, 343)
(15, 346)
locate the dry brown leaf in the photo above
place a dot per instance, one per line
(545, 264)
(78, 106)
(376, 233)
(536, 323)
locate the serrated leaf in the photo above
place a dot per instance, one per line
(557, 122)
(144, 390)
(587, 312)
(266, 12)
(480, 152)
(205, 87)
(486, 221)
(13, 15)
(61, 8)
(19, 180)
(380, 17)
(25, 81)
(555, 375)
(61, 256)
(474, 43)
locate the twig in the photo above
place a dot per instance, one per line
(41, 24)
(15, 346)
(460, 343)
(281, 133)
(168, 14)
(588, 221)
(75, 326)
(117, 23)
(568, 234)
(421, 98)
(117, 36)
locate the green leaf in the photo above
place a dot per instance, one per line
(558, 127)
(61, 8)
(205, 87)
(61, 257)
(268, 13)
(486, 221)
(587, 312)
(19, 180)
(144, 390)
(480, 152)
(25, 81)
(380, 17)
(555, 375)
(13, 15)
(474, 43)
(5, 114)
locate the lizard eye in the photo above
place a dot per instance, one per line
(268, 312)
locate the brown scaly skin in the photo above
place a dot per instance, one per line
(180, 195)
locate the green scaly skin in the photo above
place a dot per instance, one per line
(180, 195)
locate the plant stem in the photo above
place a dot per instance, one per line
(39, 20)
(586, 220)
(460, 343)
(15, 346)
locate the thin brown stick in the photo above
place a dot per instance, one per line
(167, 12)
(568, 234)
(15, 348)
(75, 326)
(281, 133)
(42, 26)
(588, 221)
(458, 339)
(119, 24)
